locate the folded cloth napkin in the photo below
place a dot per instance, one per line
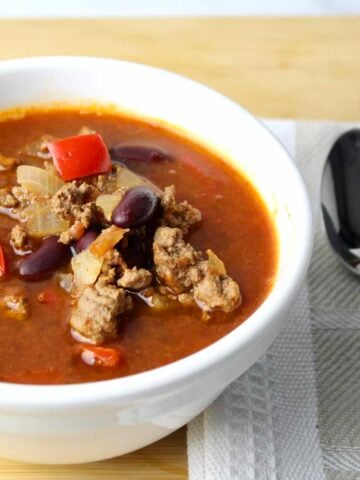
(295, 415)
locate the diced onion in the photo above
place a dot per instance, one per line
(38, 180)
(86, 267)
(126, 178)
(66, 281)
(108, 202)
(215, 264)
(41, 221)
(107, 240)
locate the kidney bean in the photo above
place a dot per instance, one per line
(137, 152)
(136, 208)
(49, 256)
(86, 240)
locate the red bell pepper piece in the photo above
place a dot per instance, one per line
(102, 356)
(2, 262)
(80, 156)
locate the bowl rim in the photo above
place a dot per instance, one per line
(186, 370)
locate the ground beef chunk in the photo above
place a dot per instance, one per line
(100, 182)
(89, 215)
(72, 202)
(179, 215)
(135, 279)
(175, 261)
(181, 269)
(73, 234)
(105, 182)
(19, 238)
(113, 266)
(216, 292)
(185, 299)
(71, 197)
(23, 196)
(7, 199)
(17, 306)
(96, 314)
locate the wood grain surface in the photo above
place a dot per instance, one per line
(288, 67)
(296, 68)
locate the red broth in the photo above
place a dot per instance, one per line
(236, 225)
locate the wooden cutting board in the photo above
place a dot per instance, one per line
(289, 68)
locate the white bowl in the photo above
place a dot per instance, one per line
(93, 421)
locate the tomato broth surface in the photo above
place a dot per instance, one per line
(235, 224)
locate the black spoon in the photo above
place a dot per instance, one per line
(340, 199)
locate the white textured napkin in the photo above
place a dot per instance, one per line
(295, 415)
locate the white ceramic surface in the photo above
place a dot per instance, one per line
(144, 8)
(93, 421)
